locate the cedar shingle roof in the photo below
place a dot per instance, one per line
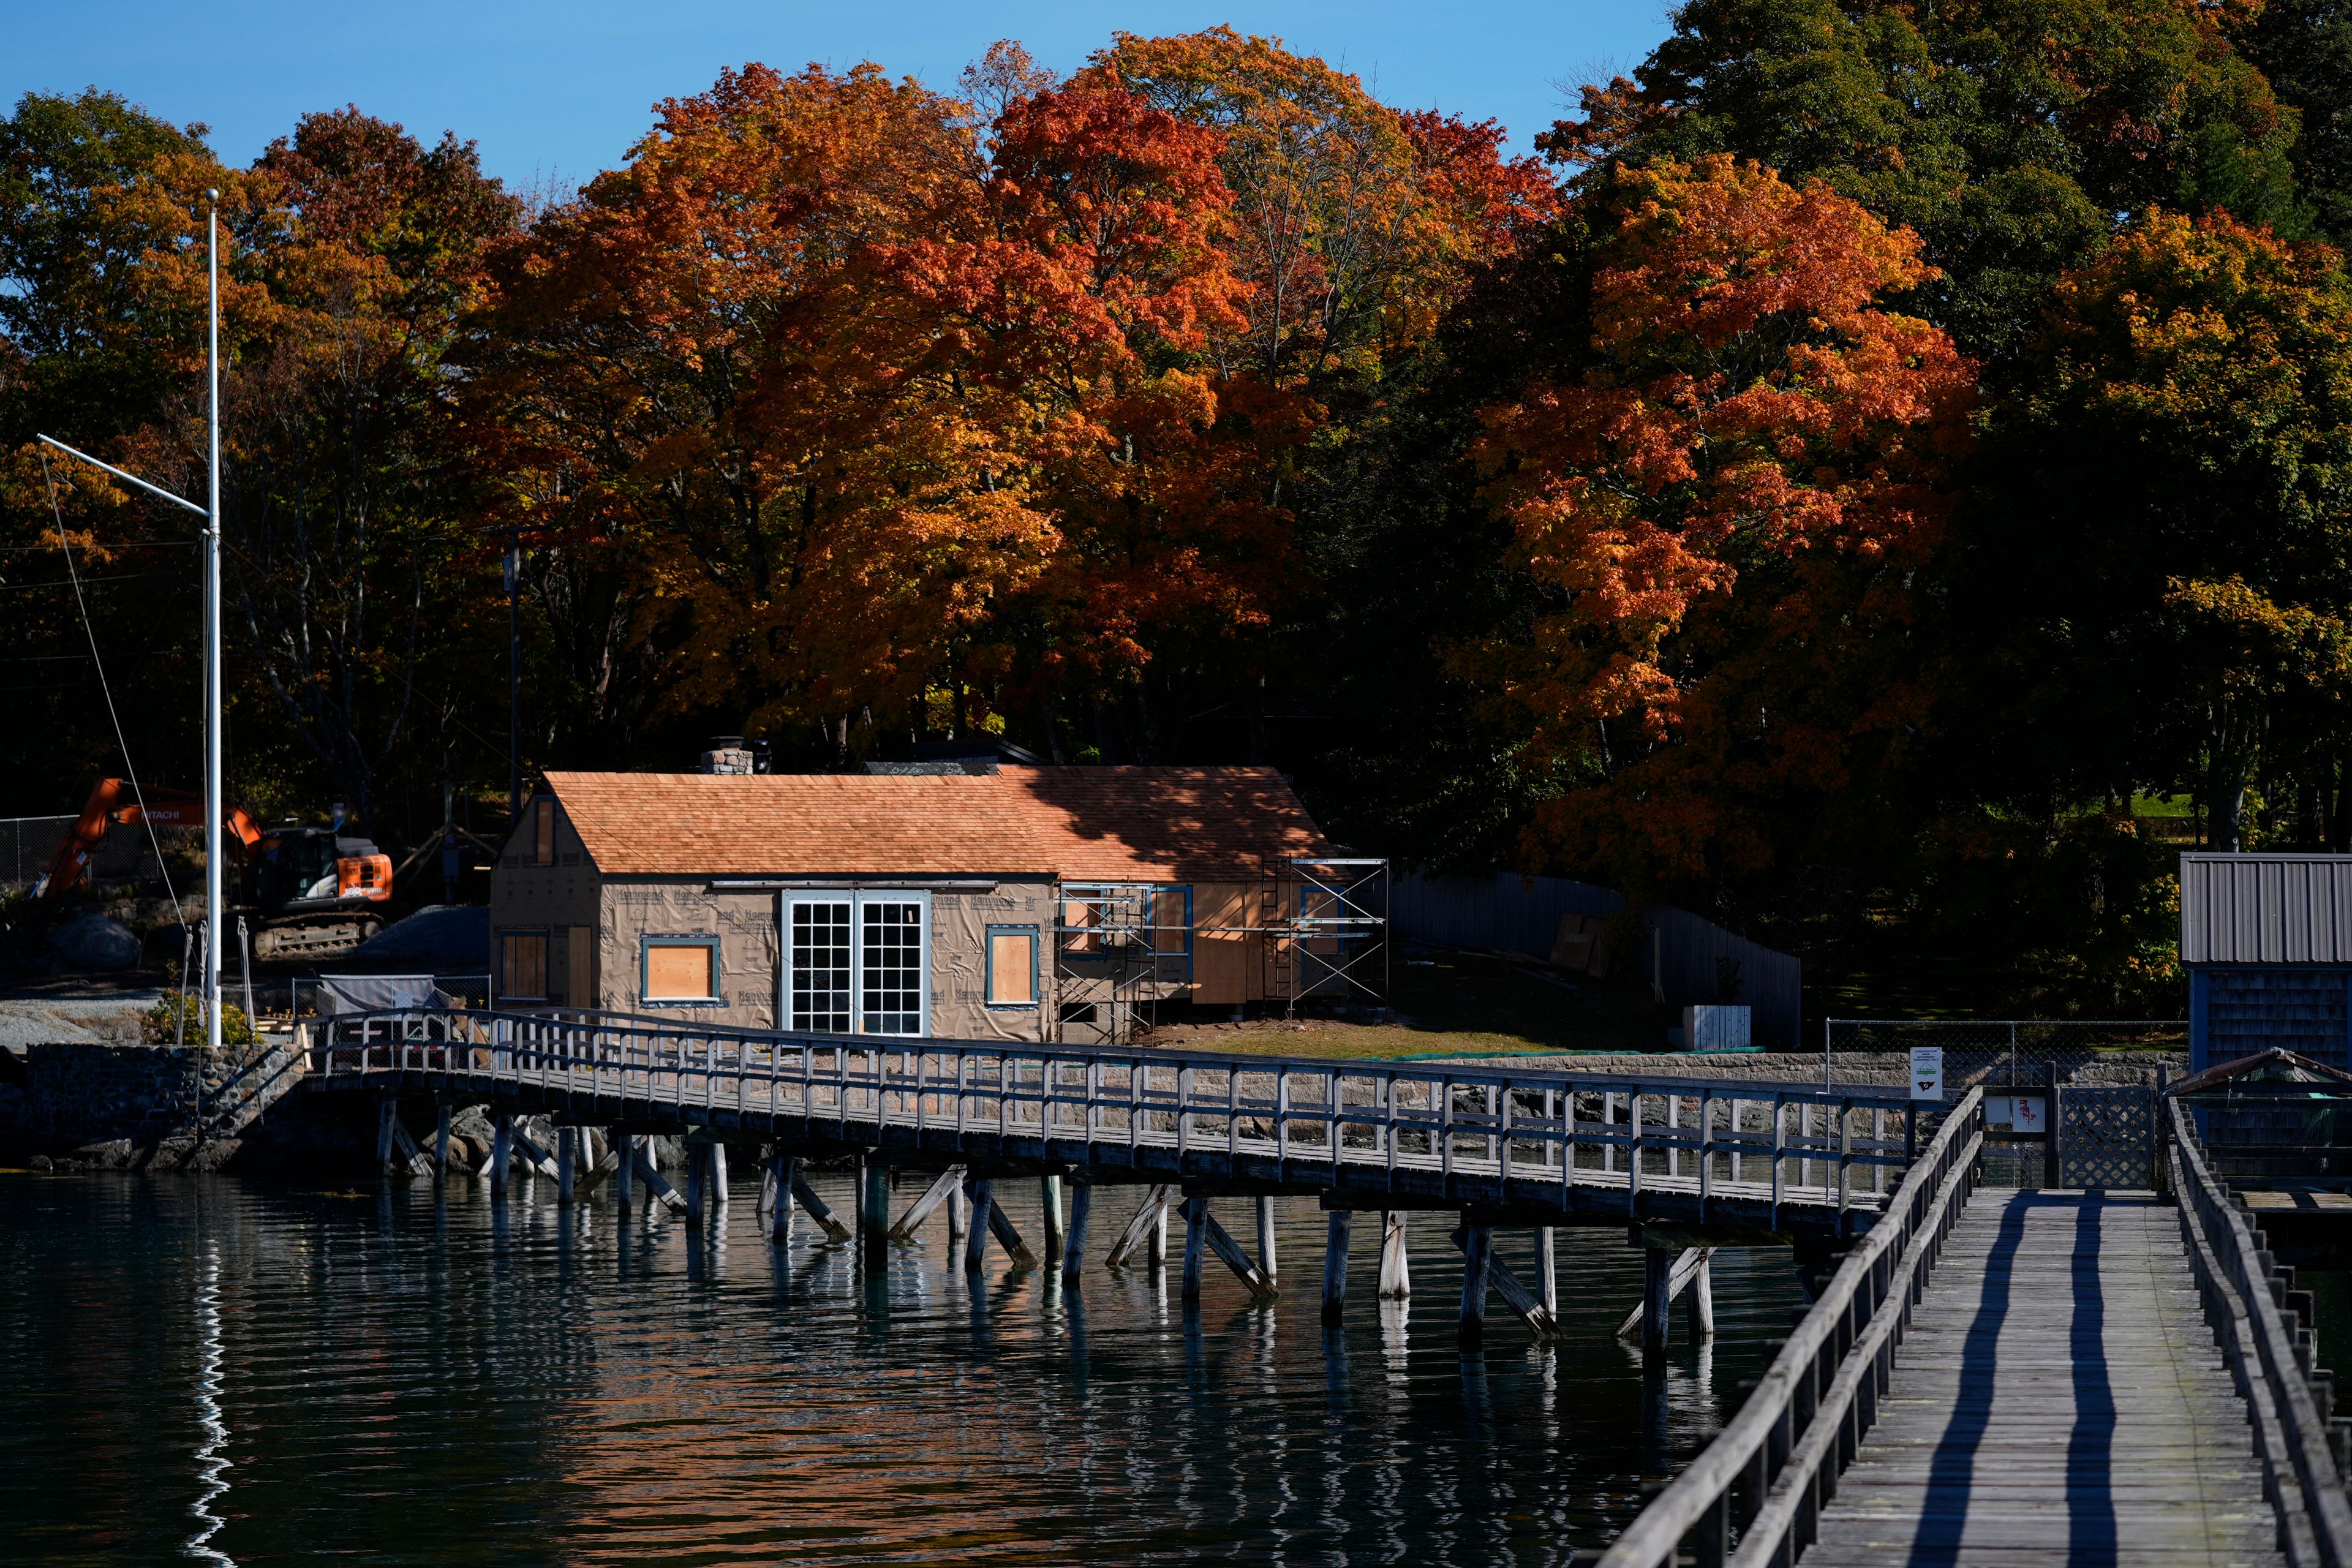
(1081, 824)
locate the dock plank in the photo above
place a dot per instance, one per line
(2059, 1398)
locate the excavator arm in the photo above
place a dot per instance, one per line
(116, 803)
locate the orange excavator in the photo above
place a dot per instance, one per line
(311, 887)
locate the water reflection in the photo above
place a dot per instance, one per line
(421, 1374)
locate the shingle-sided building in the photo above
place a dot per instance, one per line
(2267, 941)
(1018, 904)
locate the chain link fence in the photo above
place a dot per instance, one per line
(2017, 1057)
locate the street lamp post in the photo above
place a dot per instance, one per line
(210, 512)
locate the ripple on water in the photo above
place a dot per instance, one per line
(232, 1372)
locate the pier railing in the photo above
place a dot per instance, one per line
(1761, 1486)
(1768, 1142)
(2269, 1353)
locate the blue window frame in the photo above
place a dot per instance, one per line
(1011, 969)
(678, 971)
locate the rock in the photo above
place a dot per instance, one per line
(94, 942)
(42, 1162)
(115, 1154)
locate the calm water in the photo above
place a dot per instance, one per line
(224, 1371)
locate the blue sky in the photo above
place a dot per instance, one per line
(555, 92)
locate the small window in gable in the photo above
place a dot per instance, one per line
(543, 830)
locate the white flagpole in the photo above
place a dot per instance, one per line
(215, 801)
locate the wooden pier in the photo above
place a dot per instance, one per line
(2008, 1379)
(2059, 1400)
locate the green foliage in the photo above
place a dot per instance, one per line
(162, 1024)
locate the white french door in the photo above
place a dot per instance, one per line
(854, 963)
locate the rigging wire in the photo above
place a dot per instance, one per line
(128, 767)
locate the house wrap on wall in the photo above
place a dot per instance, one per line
(2267, 941)
(1022, 904)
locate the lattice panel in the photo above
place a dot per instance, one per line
(2105, 1137)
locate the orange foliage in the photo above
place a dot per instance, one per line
(1728, 503)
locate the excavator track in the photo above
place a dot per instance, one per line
(299, 938)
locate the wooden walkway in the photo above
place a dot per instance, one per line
(2059, 1398)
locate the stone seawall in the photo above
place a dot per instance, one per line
(97, 1103)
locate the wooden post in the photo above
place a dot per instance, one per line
(806, 1196)
(1266, 1263)
(946, 1189)
(1196, 1245)
(386, 1110)
(1547, 1273)
(1657, 1299)
(2053, 1158)
(767, 1199)
(959, 1220)
(1157, 1256)
(567, 1163)
(1049, 1199)
(1335, 1266)
(1699, 1300)
(1396, 1270)
(717, 1175)
(873, 1203)
(440, 1139)
(501, 1153)
(1073, 1246)
(1477, 1251)
(698, 1165)
(624, 1174)
(975, 1247)
(780, 1212)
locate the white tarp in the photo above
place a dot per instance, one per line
(378, 993)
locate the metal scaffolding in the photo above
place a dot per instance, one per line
(1323, 928)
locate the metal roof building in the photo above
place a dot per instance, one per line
(2267, 940)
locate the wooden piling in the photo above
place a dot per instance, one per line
(874, 1205)
(1396, 1269)
(1335, 1266)
(947, 1189)
(1699, 1297)
(717, 1175)
(624, 1174)
(501, 1153)
(1477, 1251)
(779, 1212)
(769, 1191)
(1547, 1273)
(806, 1196)
(567, 1163)
(387, 1111)
(959, 1220)
(975, 1247)
(1196, 1245)
(440, 1139)
(1147, 1229)
(1074, 1245)
(697, 1169)
(1157, 1256)
(1049, 1199)
(1266, 1262)
(1657, 1299)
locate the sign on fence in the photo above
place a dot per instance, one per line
(1928, 1073)
(2025, 1114)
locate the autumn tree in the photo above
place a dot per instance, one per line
(2175, 491)
(1725, 496)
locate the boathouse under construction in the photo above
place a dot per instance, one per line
(1026, 903)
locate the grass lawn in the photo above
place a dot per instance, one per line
(1447, 1003)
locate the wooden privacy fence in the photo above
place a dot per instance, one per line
(1295, 1119)
(1763, 1481)
(2268, 1349)
(1692, 957)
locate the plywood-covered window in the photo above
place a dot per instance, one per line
(1012, 966)
(543, 833)
(522, 965)
(580, 976)
(681, 969)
